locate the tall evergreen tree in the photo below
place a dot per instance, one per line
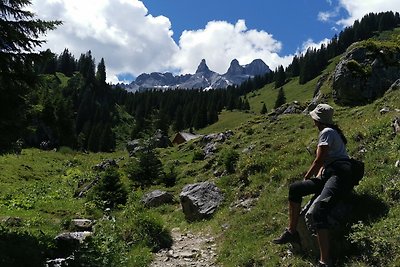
(66, 63)
(264, 109)
(87, 67)
(101, 72)
(294, 68)
(280, 77)
(20, 34)
(48, 65)
(246, 104)
(281, 99)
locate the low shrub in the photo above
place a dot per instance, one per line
(198, 154)
(109, 192)
(145, 170)
(230, 157)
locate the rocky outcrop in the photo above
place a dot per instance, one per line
(200, 201)
(157, 198)
(288, 108)
(318, 97)
(211, 142)
(105, 164)
(134, 146)
(365, 73)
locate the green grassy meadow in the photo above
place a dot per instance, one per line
(40, 187)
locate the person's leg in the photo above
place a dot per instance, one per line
(334, 189)
(323, 243)
(296, 192)
(294, 212)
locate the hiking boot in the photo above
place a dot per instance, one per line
(287, 237)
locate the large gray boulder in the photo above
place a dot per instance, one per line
(365, 73)
(339, 219)
(157, 198)
(68, 242)
(200, 200)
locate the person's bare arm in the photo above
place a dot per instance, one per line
(318, 163)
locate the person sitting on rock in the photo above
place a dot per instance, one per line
(329, 176)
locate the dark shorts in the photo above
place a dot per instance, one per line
(335, 183)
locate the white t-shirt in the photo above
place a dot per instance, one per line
(337, 149)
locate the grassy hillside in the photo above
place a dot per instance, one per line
(39, 187)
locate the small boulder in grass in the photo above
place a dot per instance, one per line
(157, 198)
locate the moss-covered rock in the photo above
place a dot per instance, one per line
(366, 72)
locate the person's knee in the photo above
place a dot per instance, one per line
(294, 193)
(319, 214)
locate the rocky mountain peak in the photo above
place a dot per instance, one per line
(202, 67)
(256, 67)
(235, 68)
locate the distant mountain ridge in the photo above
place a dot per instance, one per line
(202, 78)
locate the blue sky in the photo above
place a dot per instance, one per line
(290, 22)
(136, 36)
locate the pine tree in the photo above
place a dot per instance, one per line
(66, 63)
(263, 109)
(280, 77)
(110, 191)
(101, 72)
(20, 35)
(48, 65)
(281, 99)
(146, 170)
(86, 67)
(246, 104)
(294, 68)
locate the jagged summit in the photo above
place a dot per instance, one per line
(256, 67)
(202, 67)
(235, 68)
(203, 77)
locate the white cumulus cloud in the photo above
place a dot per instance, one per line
(133, 41)
(358, 8)
(310, 44)
(220, 42)
(122, 32)
(355, 10)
